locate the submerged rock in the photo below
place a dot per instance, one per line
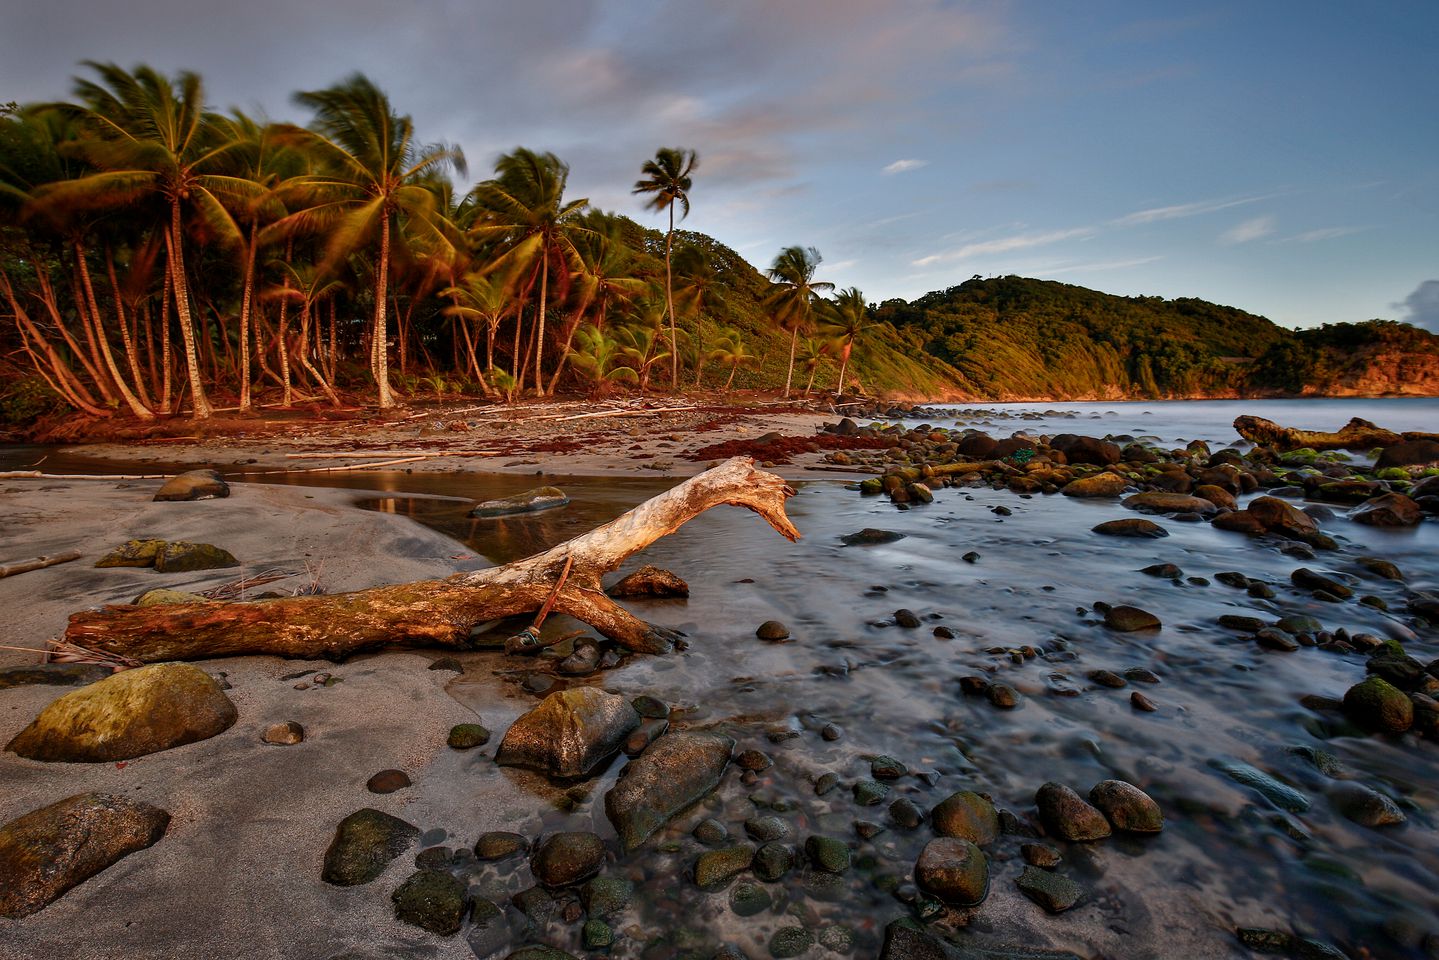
(364, 844)
(1131, 527)
(773, 631)
(1281, 795)
(1065, 814)
(48, 851)
(1127, 807)
(870, 536)
(569, 732)
(1389, 510)
(650, 582)
(1128, 619)
(953, 870)
(432, 900)
(1051, 891)
(531, 501)
(1154, 502)
(127, 715)
(716, 867)
(567, 858)
(968, 816)
(674, 772)
(1363, 805)
(500, 844)
(194, 485)
(1377, 704)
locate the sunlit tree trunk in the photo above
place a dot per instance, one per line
(246, 298)
(131, 401)
(789, 375)
(167, 388)
(126, 336)
(670, 307)
(381, 353)
(175, 255)
(540, 322)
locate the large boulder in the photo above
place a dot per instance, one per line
(1079, 449)
(1410, 453)
(180, 556)
(674, 772)
(531, 501)
(48, 851)
(128, 715)
(1154, 502)
(364, 844)
(195, 485)
(1389, 510)
(569, 733)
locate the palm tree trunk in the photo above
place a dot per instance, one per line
(304, 356)
(168, 385)
(92, 363)
(809, 387)
(245, 300)
(789, 376)
(175, 257)
(540, 323)
(282, 337)
(843, 366)
(132, 356)
(131, 401)
(670, 306)
(382, 276)
(734, 369)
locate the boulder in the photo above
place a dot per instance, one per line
(1078, 449)
(1410, 453)
(953, 870)
(1065, 814)
(1389, 510)
(531, 501)
(194, 485)
(127, 715)
(968, 816)
(1377, 704)
(1216, 495)
(1154, 502)
(1127, 807)
(48, 851)
(1100, 485)
(976, 446)
(569, 733)
(1131, 527)
(179, 556)
(364, 844)
(132, 553)
(650, 583)
(563, 859)
(432, 900)
(676, 770)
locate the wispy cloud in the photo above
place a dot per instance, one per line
(1103, 265)
(1256, 228)
(903, 166)
(1181, 210)
(1022, 241)
(1323, 233)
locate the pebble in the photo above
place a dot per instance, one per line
(1139, 701)
(1040, 855)
(388, 781)
(884, 767)
(467, 736)
(906, 618)
(773, 631)
(1051, 891)
(284, 734)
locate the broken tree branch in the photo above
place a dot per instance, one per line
(440, 613)
(39, 563)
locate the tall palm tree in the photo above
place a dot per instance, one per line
(844, 322)
(376, 180)
(668, 179)
(791, 302)
(524, 209)
(149, 137)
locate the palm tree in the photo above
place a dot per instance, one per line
(700, 288)
(811, 355)
(731, 352)
(524, 209)
(376, 181)
(640, 338)
(481, 296)
(596, 355)
(845, 321)
(791, 303)
(149, 137)
(668, 178)
(605, 278)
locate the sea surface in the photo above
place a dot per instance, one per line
(1271, 852)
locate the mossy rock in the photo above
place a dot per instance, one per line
(1377, 704)
(432, 900)
(364, 844)
(164, 596)
(180, 556)
(132, 553)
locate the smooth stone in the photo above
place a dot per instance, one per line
(906, 618)
(531, 501)
(906, 813)
(1002, 695)
(773, 860)
(650, 707)
(1376, 704)
(748, 899)
(364, 844)
(1139, 701)
(650, 583)
(53, 675)
(566, 858)
(710, 832)
(968, 816)
(885, 767)
(1156, 502)
(1281, 795)
(597, 935)
(1131, 527)
(500, 844)
(773, 631)
(1364, 805)
(674, 772)
(868, 793)
(953, 870)
(753, 760)
(828, 854)
(180, 556)
(870, 536)
(1066, 815)
(904, 939)
(432, 900)
(716, 867)
(1101, 485)
(388, 781)
(1127, 807)
(467, 736)
(1040, 855)
(48, 851)
(164, 596)
(285, 734)
(604, 897)
(1389, 510)
(569, 733)
(1128, 619)
(1051, 891)
(193, 485)
(787, 942)
(765, 829)
(127, 715)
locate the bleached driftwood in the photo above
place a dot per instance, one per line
(440, 613)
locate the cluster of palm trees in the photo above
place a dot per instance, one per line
(155, 254)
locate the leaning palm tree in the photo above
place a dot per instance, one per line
(811, 356)
(668, 179)
(791, 302)
(524, 210)
(374, 180)
(731, 352)
(844, 322)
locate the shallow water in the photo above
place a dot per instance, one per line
(1228, 857)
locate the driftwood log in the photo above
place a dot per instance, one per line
(1359, 435)
(440, 613)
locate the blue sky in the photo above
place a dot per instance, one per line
(1280, 157)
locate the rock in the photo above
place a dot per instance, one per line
(773, 631)
(1155, 502)
(649, 730)
(1139, 701)
(1131, 527)
(597, 935)
(677, 770)
(566, 858)
(388, 781)
(649, 707)
(364, 844)
(766, 829)
(828, 854)
(905, 813)
(753, 760)
(748, 899)
(1309, 580)
(584, 661)
(650, 582)
(604, 897)
(1128, 619)
(1365, 806)
(773, 860)
(1002, 695)
(1127, 807)
(53, 675)
(1216, 495)
(500, 845)
(285, 734)
(1100, 485)
(1051, 891)
(716, 867)
(870, 536)
(789, 942)
(1281, 795)
(953, 870)
(906, 618)
(884, 767)
(1078, 449)
(433, 901)
(1410, 453)
(132, 553)
(194, 485)
(163, 597)
(50, 850)
(1276, 516)
(710, 832)
(1381, 568)
(1107, 678)
(869, 793)
(1376, 704)
(447, 663)
(569, 733)
(1389, 510)
(467, 736)
(1065, 814)
(180, 556)
(539, 951)
(531, 501)
(1040, 855)
(127, 715)
(966, 815)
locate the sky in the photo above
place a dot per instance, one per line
(1281, 157)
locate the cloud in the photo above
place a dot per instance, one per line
(1324, 233)
(1180, 210)
(1250, 230)
(1022, 241)
(1421, 307)
(903, 166)
(1103, 265)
